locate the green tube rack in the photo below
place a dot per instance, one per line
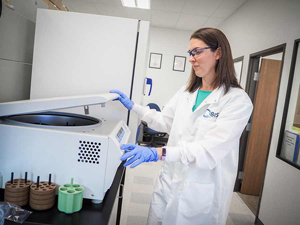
(70, 197)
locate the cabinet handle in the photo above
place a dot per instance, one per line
(121, 190)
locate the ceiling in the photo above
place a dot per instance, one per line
(177, 14)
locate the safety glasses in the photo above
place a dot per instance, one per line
(197, 51)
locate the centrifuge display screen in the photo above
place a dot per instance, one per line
(120, 132)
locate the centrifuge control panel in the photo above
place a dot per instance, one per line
(120, 134)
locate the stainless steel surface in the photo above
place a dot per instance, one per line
(15, 79)
(54, 119)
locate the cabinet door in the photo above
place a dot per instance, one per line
(114, 211)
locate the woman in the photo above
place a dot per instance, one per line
(204, 120)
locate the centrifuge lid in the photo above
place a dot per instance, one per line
(46, 104)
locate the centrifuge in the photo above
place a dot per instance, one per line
(37, 140)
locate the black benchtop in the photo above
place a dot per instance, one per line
(90, 214)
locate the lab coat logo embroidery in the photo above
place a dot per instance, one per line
(209, 114)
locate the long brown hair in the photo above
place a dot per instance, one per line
(225, 73)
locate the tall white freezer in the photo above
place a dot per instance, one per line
(80, 54)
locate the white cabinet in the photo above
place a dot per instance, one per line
(78, 54)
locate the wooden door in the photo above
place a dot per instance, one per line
(262, 123)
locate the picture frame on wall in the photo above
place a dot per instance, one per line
(155, 60)
(238, 66)
(179, 63)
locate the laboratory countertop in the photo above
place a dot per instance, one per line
(91, 214)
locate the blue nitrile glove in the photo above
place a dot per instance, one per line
(139, 154)
(123, 99)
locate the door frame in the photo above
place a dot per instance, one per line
(240, 59)
(251, 89)
(238, 182)
(287, 103)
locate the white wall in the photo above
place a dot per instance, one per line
(166, 82)
(256, 26)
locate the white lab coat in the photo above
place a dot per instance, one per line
(197, 178)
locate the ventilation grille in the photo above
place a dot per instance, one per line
(89, 152)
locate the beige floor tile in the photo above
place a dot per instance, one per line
(142, 188)
(251, 201)
(147, 171)
(136, 220)
(143, 180)
(136, 209)
(141, 198)
(229, 221)
(238, 206)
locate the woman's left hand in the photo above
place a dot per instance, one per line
(138, 154)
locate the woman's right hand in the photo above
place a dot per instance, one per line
(123, 99)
